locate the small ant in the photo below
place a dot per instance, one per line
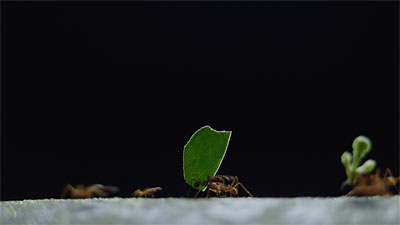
(80, 191)
(217, 185)
(374, 184)
(146, 192)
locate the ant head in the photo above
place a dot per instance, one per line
(391, 181)
(137, 192)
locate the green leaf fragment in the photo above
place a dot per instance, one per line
(346, 161)
(203, 155)
(367, 167)
(361, 147)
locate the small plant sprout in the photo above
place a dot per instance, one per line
(361, 147)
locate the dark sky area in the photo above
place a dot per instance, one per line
(103, 92)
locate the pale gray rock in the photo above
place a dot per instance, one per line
(341, 210)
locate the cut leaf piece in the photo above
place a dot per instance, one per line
(203, 155)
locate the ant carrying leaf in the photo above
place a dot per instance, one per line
(217, 185)
(203, 155)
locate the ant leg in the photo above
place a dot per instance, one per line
(243, 188)
(387, 172)
(394, 181)
(235, 181)
(217, 192)
(213, 190)
(195, 196)
(210, 189)
(397, 189)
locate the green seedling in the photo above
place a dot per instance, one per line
(361, 147)
(203, 155)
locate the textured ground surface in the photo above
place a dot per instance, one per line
(375, 210)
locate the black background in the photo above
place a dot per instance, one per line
(103, 92)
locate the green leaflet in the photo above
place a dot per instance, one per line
(203, 155)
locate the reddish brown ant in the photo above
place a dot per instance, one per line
(80, 191)
(217, 185)
(146, 192)
(374, 184)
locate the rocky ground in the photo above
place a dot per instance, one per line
(303, 210)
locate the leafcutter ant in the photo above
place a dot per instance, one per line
(374, 184)
(217, 185)
(146, 192)
(80, 191)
